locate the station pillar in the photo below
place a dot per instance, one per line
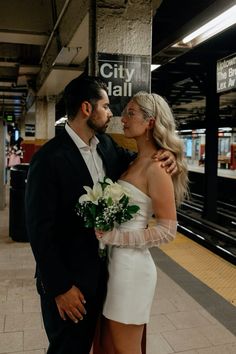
(121, 36)
(122, 29)
(211, 149)
(2, 166)
(45, 117)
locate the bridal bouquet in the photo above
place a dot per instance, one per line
(105, 205)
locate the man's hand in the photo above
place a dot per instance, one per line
(168, 161)
(71, 304)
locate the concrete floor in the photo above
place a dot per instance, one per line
(187, 316)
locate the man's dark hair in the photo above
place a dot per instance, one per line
(83, 88)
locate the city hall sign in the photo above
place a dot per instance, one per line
(124, 75)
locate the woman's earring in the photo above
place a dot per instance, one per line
(147, 134)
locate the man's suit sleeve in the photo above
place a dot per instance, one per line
(41, 208)
(124, 156)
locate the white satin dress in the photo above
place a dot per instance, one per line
(132, 271)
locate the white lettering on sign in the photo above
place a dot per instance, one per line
(232, 72)
(121, 74)
(226, 74)
(108, 70)
(231, 82)
(222, 76)
(225, 63)
(119, 90)
(221, 86)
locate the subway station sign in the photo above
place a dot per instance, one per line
(124, 75)
(226, 74)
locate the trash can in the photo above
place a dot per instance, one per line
(18, 179)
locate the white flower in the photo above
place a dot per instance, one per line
(114, 191)
(92, 195)
(108, 180)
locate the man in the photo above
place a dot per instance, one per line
(71, 277)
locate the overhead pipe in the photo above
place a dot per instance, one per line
(92, 58)
(54, 16)
(54, 29)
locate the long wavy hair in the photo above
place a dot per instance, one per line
(165, 136)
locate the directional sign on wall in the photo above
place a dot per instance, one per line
(226, 74)
(124, 75)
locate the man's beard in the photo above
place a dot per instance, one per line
(98, 129)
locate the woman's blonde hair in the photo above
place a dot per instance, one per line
(164, 133)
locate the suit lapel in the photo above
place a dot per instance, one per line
(104, 153)
(73, 154)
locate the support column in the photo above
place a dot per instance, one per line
(211, 149)
(51, 109)
(45, 117)
(124, 27)
(121, 28)
(121, 38)
(2, 166)
(22, 127)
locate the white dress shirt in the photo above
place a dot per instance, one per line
(90, 155)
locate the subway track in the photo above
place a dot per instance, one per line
(219, 237)
(226, 212)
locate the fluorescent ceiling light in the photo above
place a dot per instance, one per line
(211, 28)
(225, 129)
(223, 21)
(155, 66)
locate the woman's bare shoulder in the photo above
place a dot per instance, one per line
(155, 167)
(157, 175)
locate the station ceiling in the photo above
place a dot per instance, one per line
(182, 77)
(32, 54)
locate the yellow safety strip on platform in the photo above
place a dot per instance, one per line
(211, 269)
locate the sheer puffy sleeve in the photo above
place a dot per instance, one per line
(163, 232)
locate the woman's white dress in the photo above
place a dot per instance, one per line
(132, 272)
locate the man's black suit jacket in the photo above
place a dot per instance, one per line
(66, 253)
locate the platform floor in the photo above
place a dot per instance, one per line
(193, 311)
(221, 172)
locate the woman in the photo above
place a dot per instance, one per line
(131, 286)
(16, 153)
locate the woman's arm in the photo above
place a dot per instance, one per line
(160, 189)
(163, 232)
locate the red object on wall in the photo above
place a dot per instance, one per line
(233, 157)
(202, 149)
(29, 150)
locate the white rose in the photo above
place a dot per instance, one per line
(114, 191)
